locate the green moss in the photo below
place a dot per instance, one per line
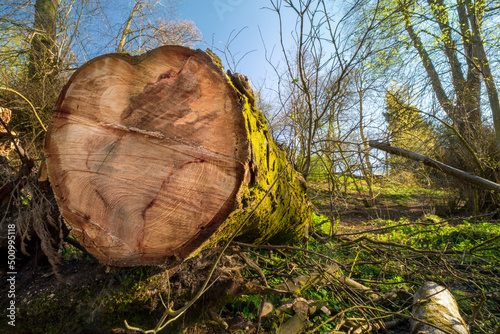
(54, 310)
(438, 315)
(284, 213)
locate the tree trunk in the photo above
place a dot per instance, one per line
(475, 14)
(156, 157)
(465, 112)
(43, 53)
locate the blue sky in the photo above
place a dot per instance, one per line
(219, 20)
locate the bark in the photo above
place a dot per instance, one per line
(440, 13)
(295, 325)
(156, 157)
(465, 111)
(475, 14)
(438, 310)
(366, 166)
(483, 183)
(43, 52)
(432, 74)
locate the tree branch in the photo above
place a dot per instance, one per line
(479, 181)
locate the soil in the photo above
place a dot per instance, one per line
(353, 212)
(100, 298)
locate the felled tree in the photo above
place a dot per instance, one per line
(156, 157)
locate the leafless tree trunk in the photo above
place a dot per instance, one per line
(364, 154)
(43, 53)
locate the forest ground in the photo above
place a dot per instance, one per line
(391, 247)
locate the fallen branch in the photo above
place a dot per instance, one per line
(242, 244)
(437, 307)
(478, 181)
(398, 245)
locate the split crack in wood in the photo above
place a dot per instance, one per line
(160, 135)
(148, 133)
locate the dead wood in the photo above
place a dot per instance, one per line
(295, 325)
(156, 157)
(436, 306)
(478, 181)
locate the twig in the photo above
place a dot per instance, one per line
(264, 280)
(388, 228)
(28, 101)
(242, 244)
(394, 244)
(255, 267)
(27, 162)
(484, 243)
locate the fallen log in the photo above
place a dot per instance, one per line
(436, 312)
(298, 323)
(153, 158)
(478, 181)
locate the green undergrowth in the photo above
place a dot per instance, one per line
(392, 256)
(347, 190)
(403, 193)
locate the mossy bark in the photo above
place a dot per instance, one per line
(438, 311)
(284, 213)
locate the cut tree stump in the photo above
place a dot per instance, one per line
(153, 158)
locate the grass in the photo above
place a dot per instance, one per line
(389, 256)
(399, 193)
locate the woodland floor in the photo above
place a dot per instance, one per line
(394, 202)
(98, 297)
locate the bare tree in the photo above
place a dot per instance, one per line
(323, 56)
(146, 28)
(362, 85)
(443, 50)
(46, 40)
(447, 40)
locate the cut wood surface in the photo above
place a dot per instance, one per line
(438, 310)
(149, 155)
